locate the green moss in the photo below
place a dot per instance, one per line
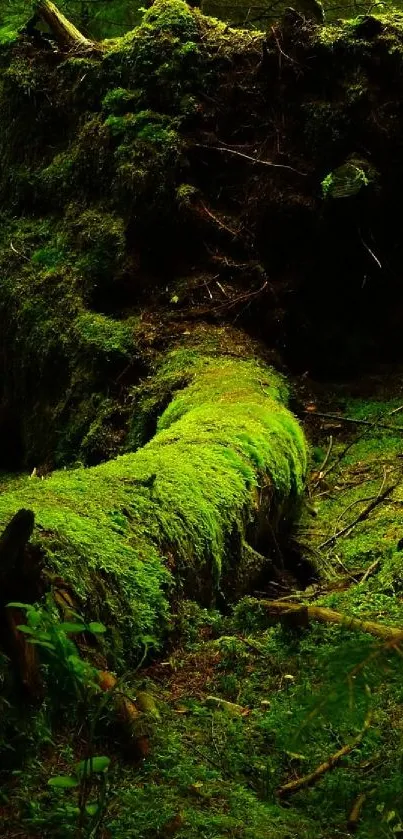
(119, 101)
(100, 335)
(8, 34)
(173, 16)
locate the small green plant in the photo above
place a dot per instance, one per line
(68, 678)
(69, 672)
(89, 782)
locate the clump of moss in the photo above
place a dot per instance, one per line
(119, 100)
(349, 179)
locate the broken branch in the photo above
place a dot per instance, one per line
(311, 777)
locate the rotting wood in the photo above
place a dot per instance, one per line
(19, 580)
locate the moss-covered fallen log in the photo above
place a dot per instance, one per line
(193, 509)
(297, 615)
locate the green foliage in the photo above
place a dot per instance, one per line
(120, 101)
(81, 815)
(68, 674)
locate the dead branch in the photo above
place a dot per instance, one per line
(241, 298)
(308, 780)
(321, 471)
(370, 570)
(323, 615)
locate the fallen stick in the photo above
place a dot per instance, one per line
(324, 615)
(311, 777)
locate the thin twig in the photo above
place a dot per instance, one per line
(321, 472)
(368, 423)
(363, 515)
(371, 253)
(329, 449)
(364, 500)
(251, 159)
(282, 53)
(248, 296)
(369, 570)
(218, 221)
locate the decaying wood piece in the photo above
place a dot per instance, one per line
(128, 716)
(311, 777)
(12, 543)
(19, 581)
(65, 33)
(285, 612)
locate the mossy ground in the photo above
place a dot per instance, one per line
(116, 182)
(298, 703)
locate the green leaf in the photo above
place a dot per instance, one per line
(63, 782)
(96, 628)
(27, 629)
(92, 765)
(18, 606)
(92, 809)
(71, 627)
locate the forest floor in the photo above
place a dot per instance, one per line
(244, 707)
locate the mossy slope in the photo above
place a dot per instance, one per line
(117, 195)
